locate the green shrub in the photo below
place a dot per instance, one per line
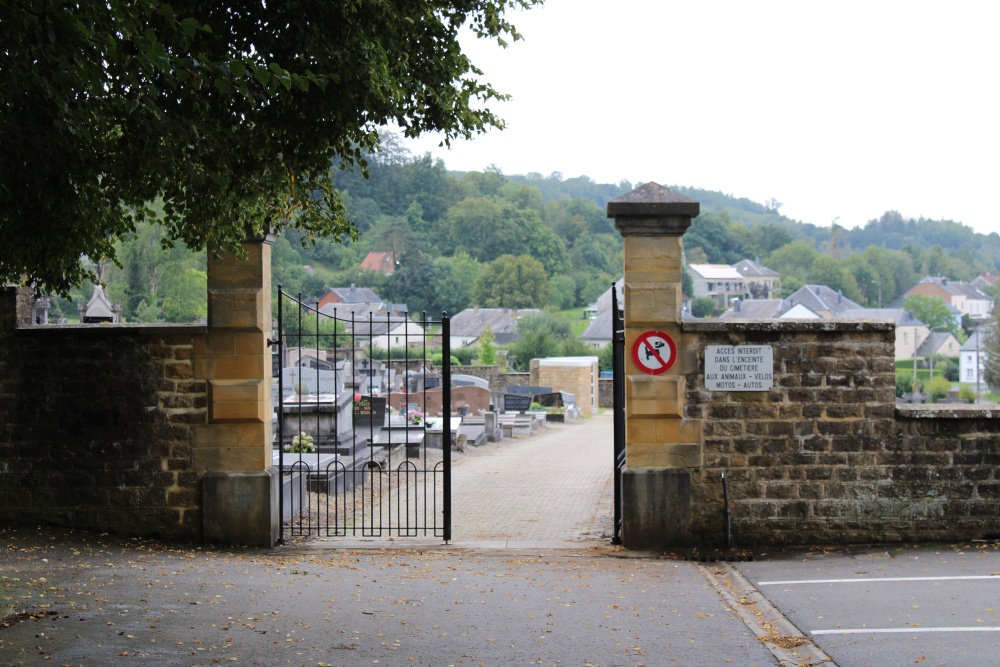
(946, 366)
(904, 384)
(438, 359)
(465, 355)
(967, 393)
(938, 387)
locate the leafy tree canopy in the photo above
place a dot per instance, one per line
(932, 311)
(512, 281)
(229, 113)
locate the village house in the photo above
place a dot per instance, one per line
(598, 332)
(964, 297)
(939, 343)
(379, 262)
(468, 325)
(387, 333)
(972, 357)
(720, 282)
(352, 294)
(761, 282)
(910, 332)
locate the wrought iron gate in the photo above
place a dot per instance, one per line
(363, 428)
(618, 341)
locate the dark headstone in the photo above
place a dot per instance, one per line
(516, 402)
(528, 390)
(369, 412)
(554, 400)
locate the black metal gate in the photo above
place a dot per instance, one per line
(363, 426)
(618, 341)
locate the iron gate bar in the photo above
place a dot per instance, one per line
(446, 415)
(362, 492)
(618, 408)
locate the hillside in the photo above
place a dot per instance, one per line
(464, 238)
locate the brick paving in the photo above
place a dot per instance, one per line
(552, 489)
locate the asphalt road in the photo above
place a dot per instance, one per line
(890, 606)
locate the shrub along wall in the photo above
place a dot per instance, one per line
(825, 456)
(97, 423)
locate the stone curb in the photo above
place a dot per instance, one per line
(786, 642)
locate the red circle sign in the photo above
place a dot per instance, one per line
(654, 352)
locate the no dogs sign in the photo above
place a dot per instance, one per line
(654, 352)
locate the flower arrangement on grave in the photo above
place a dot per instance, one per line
(301, 444)
(415, 417)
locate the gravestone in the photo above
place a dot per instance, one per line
(476, 400)
(553, 400)
(369, 413)
(516, 402)
(528, 390)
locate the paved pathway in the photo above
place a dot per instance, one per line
(553, 489)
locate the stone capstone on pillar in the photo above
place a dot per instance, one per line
(662, 446)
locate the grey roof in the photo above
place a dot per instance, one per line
(985, 279)
(753, 309)
(819, 297)
(381, 326)
(604, 301)
(752, 269)
(355, 294)
(956, 287)
(977, 339)
(933, 343)
(600, 327)
(359, 311)
(901, 316)
(471, 322)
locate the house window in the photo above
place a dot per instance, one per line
(968, 374)
(905, 338)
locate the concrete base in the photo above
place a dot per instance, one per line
(241, 507)
(656, 508)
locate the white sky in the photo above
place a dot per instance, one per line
(838, 109)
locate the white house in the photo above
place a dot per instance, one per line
(972, 358)
(762, 282)
(388, 333)
(468, 325)
(721, 282)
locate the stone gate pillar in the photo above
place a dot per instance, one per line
(240, 484)
(661, 444)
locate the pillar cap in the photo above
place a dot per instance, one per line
(652, 210)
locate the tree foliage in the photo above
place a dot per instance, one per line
(513, 282)
(991, 349)
(231, 114)
(932, 311)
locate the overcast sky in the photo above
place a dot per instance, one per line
(837, 109)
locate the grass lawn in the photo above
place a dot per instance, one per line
(575, 317)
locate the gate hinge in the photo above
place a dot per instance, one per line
(272, 343)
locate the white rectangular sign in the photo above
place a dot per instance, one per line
(739, 368)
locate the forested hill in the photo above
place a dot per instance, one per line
(486, 238)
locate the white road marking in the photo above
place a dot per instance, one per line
(864, 631)
(868, 580)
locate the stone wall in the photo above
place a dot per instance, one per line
(825, 456)
(498, 376)
(97, 426)
(606, 393)
(574, 375)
